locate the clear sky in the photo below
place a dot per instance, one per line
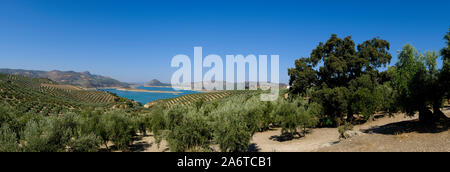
(136, 40)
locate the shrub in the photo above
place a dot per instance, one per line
(192, 134)
(93, 123)
(232, 133)
(142, 123)
(288, 117)
(37, 137)
(258, 114)
(8, 140)
(157, 123)
(292, 115)
(174, 117)
(119, 129)
(85, 143)
(50, 134)
(343, 128)
(9, 117)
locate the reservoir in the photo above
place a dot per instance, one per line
(145, 97)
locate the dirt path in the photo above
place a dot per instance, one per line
(316, 139)
(147, 144)
(406, 136)
(373, 138)
(406, 142)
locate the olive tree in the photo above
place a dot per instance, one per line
(8, 140)
(332, 70)
(420, 84)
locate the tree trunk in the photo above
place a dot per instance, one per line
(437, 113)
(425, 115)
(106, 145)
(349, 115)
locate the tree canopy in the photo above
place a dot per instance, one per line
(342, 75)
(345, 80)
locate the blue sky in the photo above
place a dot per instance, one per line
(136, 40)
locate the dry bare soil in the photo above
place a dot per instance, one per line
(398, 133)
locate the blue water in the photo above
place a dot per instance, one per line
(144, 98)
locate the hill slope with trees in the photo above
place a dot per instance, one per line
(40, 95)
(81, 79)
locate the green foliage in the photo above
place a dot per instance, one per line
(366, 96)
(67, 132)
(38, 137)
(444, 75)
(297, 114)
(387, 98)
(8, 117)
(198, 98)
(418, 83)
(142, 123)
(85, 143)
(236, 121)
(119, 129)
(50, 134)
(343, 128)
(260, 114)
(38, 111)
(334, 101)
(8, 140)
(346, 81)
(230, 125)
(288, 117)
(302, 77)
(232, 133)
(192, 133)
(43, 96)
(92, 123)
(199, 103)
(157, 123)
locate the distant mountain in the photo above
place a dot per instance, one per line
(44, 96)
(81, 79)
(156, 82)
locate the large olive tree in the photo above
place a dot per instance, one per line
(421, 85)
(333, 71)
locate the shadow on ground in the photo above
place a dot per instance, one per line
(411, 126)
(253, 148)
(140, 145)
(289, 136)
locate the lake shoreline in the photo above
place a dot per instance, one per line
(144, 94)
(140, 90)
(147, 91)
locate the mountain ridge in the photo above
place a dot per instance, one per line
(156, 82)
(82, 79)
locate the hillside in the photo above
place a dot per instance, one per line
(41, 95)
(189, 99)
(81, 79)
(156, 83)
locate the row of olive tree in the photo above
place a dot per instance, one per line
(231, 125)
(68, 132)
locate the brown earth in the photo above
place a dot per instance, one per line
(398, 133)
(404, 136)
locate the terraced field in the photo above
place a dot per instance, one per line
(39, 95)
(188, 99)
